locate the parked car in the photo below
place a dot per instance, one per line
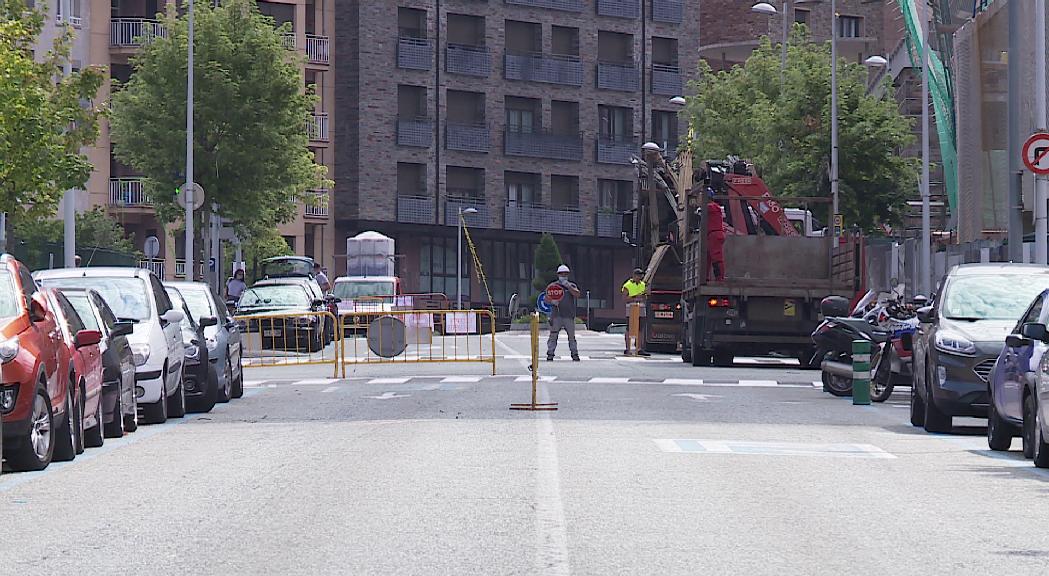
(34, 389)
(330, 303)
(284, 316)
(81, 347)
(136, 295)
(961, 336)
(198, 376)
(223, 340)
(120, 406)
(287, 267)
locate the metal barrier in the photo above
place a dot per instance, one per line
(412, 336)
(290, 339)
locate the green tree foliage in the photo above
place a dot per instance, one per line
(250, 142)
(785, 129)
(94, 229)
(45, 119)
(547, 259)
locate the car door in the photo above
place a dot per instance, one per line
(172, 333)
(49, 332)
(1019, 366)
(232, 331)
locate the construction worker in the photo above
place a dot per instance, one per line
(563, 315)
(635, 292)
(715, 238)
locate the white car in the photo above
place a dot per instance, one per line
(136, 295)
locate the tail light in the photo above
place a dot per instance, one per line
(719, 303)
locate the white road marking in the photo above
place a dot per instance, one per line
(607, 380)
(551, 551)
(388, 396)
(399, 380)
(451, 379)
(329, 389)
(758, 383)
(752, 448)
(529, 378)
(698, 397)
(683, 381)
(316, 381)
(253, 383)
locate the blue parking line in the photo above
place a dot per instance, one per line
(13, 479)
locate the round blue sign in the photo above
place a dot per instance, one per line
(541, 304)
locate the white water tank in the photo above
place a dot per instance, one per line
(369, 254)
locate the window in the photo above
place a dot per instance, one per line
(508, 266)
(463, 182)
(801, 16)
(411, 23)
(522, 115)
(411, 179)
(564, 41)
(564, 192)
(73, 322)
(664, 51)
(616, 123)
(664, 130)
(163, 302)
(465, 30)
(615, 195)
(523, 37)
(615, 47)
(438, 267)
(465, 107)
(849, 26)
(411, 102)
(522, 188)
(1034, 313)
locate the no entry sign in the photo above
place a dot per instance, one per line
(1036, 153)
(554, 293)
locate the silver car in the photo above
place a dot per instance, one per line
(223, 339)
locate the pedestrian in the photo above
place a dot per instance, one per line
(635, 291)
(236, 286)
(563, 315)
(76, 261)
(715, 239)
(322, 279)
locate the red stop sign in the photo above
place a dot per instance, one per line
(554, 293)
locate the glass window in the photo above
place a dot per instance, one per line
(82, 306)
(198, 301)
(9, 296)
(126, 296)
(992, 297)
(1035, 312)
(359, 289)
(104, 311)
(163, 302)
(849, 26)
(274, 295)
(73, 323)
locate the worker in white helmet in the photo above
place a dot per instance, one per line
(562, 315)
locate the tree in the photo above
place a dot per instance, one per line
(45, 119)
(547, 259)
(785, 129)
(94, 229)
(250, 143)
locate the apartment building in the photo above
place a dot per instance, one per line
(110, 34)
(523, 112)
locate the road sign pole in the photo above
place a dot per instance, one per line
(1041, 191)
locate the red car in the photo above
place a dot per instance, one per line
(34, 376)
(83, 355)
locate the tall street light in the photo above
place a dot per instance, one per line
(767, 9)
(459, 256)
(188, 188)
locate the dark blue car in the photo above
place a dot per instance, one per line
(1015, 376)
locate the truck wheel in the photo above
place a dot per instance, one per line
(686, 353)
(723, 358)
(701, 357)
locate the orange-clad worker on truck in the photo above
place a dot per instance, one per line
(715, 239)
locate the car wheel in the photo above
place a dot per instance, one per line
(94, 438)
(157, 412)
(935, 420)
(177, 404)
(1039, 447)
(65, 433)
(35, 450)
(999, 432)
(115, 427)
(917, 406)
(226, 392)
(237, 390)
(1029, 424)
(131, 420)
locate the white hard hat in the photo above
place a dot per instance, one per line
(562, 269)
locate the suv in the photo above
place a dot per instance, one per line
(136, 295)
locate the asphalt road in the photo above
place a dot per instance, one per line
(648, 467)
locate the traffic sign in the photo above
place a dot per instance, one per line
(151, 247)
(1036, 153)
(198, 197)
(541, 304)
(554, 293)
(839, 225)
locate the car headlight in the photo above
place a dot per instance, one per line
(211, 343)
(140, 353)
(305, 320)
(954, 343)
(9, 349)
(192, 352)
(8, 396)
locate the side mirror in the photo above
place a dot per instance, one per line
(208, 321)
(88, 338)
(172, 316)
(1032, 331)
(926, 315)
(1016, 341)
(123, 329)
(37, 312)
(920, 301)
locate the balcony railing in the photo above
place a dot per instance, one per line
(180, 269)
(566, 5)
(318, 206)
(610, 151)
(468, 60)
(529, 218)
(666, 80)
(317, 49)
(459, 200)
(617, 76)
(154, 266)
(124, 192)
(415, 209)
(131, 32)
(317, 127)
(619, 8)
(543, 145)
(414, 53)
(668, 11)
(547, 68)
(467, 137)
(289, 41)
(417, 132)
(609, 224)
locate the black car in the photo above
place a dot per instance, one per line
(285, 316)
(119, 401)
(201, 384)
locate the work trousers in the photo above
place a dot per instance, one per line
(556, 324)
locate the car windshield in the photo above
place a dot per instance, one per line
(198, 301)
(264, 296)
(287, 267)
(83, 308)
(127, 296)
(354, 289)
(9, 295)
(1002, 297)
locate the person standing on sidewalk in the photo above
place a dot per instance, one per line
(563, 316)
(636, 294)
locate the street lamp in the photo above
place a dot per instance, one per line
(459, 256)
(876, 61)
(767, 9)
(188, 188)
(651, 147)
(677, 101)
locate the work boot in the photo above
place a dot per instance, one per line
(642, 353)
(575, 358)
(549, 357)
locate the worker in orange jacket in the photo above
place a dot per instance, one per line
(715, 239)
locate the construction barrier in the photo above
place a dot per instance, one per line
(355, 310)
(290, 339)
(417, 336)
(534, 369)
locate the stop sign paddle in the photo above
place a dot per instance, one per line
(554, 293)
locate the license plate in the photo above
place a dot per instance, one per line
(271, 333)
(665, 314)
(789, 308)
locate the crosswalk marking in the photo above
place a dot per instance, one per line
(529, 378)
(332, 383)
(606, 380)
(329, 389)
(317, 381)
(683, 381)
(758, 383)
(398, 380)
(450, 379)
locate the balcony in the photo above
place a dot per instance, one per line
(317, 206)
(134, 32)
(414, 53)
(128, 193)
(467, 137)
(546, 68)
(415, 209)
(619, 8)
(529, 218)
(417, 132)
(566, 5)
(289, 41)
(543, 145)
(611, 151)
(317, 49)
(180, 269)
(621, 77)
(609, 224)
(670, 11)
(666, 80)
(467, 199)
(317, 127)
(468, 60)
(154, 266)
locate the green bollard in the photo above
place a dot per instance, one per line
(861, 372)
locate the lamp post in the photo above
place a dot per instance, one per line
(768, 9)
(188, 188)
(69, 196)
(459, 256)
